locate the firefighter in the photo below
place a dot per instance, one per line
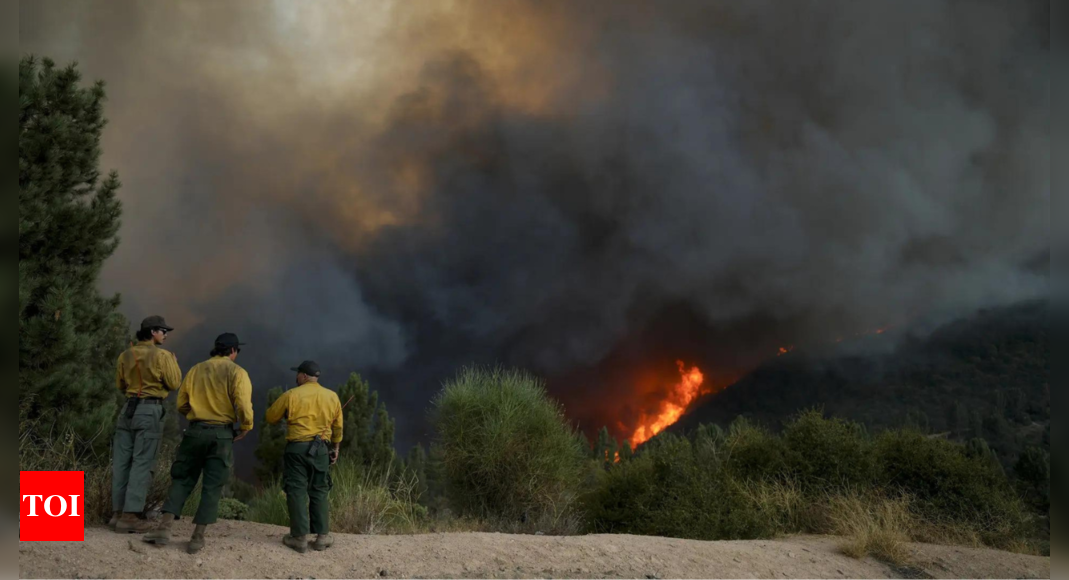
(313, 417)
(216, 395)
(146, 374)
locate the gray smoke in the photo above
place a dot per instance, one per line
(573, 187)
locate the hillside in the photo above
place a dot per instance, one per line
(245, 550)
(984, 376)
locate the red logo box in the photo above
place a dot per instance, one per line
(53, 506)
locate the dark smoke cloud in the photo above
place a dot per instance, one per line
(586, 189)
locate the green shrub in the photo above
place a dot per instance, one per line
(948, 484)
(668, 491)
(748, 483)
(232, 509)
(508, 453)
(827, 454)
(750, 453)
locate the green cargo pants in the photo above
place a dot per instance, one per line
(306, 480)
(206, 449)
(134, 449)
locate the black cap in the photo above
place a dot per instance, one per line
(228, 340)
(154, 322)
(308, 367)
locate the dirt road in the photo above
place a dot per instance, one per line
(244, 550)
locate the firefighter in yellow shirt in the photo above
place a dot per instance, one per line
(146, 374)
(215, 395)
(313, 417)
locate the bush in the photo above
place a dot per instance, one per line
(821, 476)
(752, 454)
(948, 484)
(668, 492)
(508, 453)
(827, 454)
(232, 509)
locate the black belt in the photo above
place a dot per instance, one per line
(132, 403)
(206, 425)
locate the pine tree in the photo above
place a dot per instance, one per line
(626, 453)
(382, 451)
(359, 417)
(369, 429)
(272, 446)
(69, 335)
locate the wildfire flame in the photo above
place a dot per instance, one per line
(689, 388)
(692, 385)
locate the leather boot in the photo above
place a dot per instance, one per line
(132, 524)
(114, 520)
(323, 541)
(298, 544)
(196, 543)
(161, 536)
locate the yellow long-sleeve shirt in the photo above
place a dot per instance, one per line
(147, 371)
(217, 391)
(309, 410)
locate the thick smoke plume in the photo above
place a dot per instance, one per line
(588, 189)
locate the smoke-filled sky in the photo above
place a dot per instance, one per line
(589, 190)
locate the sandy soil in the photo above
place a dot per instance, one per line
(244, 550)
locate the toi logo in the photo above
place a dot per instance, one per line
(53, 506)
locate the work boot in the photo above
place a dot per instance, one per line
(114, 520)
(323, 541)
(161, 536)
(196, 543)
(299, 544)
(132, 524)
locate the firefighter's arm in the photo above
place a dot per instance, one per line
(339, 424)
(183, 398)
(172, 374)
(278, 410)
(243, 401)
(120, 382)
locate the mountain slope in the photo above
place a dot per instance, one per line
(987, 375)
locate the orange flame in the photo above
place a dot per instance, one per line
(692, 385)
(679, 399)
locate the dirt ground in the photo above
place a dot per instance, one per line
(244, 550)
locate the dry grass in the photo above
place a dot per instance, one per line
(48, 448)
(360, 503)
(783, 504)
(873, 526)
